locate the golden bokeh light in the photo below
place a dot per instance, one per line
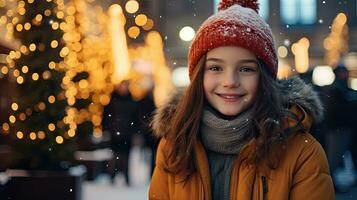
(4, 70)
(14, 106)
(149, 25)
(22, 116)
(51, 99)
(27, 26)
(20, 80)
(12, 119)
(35, 76)
(51, 127)
(132, 6)
(54, 43)
(32, 47)
(141, 19)
(41, 135)
(25, 69)
(33, 136)
(59, 139)
(134, 32)
(19, 135)
(5, 126)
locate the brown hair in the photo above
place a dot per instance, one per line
(268, 114)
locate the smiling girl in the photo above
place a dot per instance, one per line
(237, 132)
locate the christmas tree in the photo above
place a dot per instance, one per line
(39, 135)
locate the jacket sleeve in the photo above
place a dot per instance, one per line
(312, 178)
(159, 189)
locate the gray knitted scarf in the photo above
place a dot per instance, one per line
(224, 136)
(223, 139)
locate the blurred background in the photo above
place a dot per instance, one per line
(80, 79)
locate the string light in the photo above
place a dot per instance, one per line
(59, 139)
(14, 106)
(33, 136)
(19, 135)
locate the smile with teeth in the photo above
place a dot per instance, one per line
(230, 97)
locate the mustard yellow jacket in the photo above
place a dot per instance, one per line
(302, 174)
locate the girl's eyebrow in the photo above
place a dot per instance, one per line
(240, 61)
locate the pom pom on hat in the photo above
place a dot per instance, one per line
(253, 4)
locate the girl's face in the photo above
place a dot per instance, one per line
(231, 79)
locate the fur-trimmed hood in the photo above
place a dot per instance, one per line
(293, 90)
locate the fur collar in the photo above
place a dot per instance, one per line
(293, 90)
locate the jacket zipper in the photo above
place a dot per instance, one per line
(265, 186)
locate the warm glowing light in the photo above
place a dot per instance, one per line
(282, 51)
(301, 52)
(187, 33)
(20, 80)
(149, 25)
(64, 52)
(132, 6)
(55, 25)
(5, 126)
(51, 99)
(83, 84)
(25, 69)
(41, 135)
(141, 19)
(32, 47)
(115, 10)
(46, 75)
(71, 133)
(14, 106)
(323, 75)
(284, 70)
(35, 76)
(42, 106)
(27, 26)
(16, 72)
(19, 27)
(38, 17)
(54, 43)
(59, 139)
(19, 135)
(33, 136)
(12, 119)
(4, 70)
(52, 65)
(22, 116)
(353, 83)
(60, 15)
(51, 127)
(47, 12)
(134, 32)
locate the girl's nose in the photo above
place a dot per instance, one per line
(230, 80)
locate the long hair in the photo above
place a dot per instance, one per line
(268, 114)
(184, 126)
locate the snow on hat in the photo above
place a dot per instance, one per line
(236, 23)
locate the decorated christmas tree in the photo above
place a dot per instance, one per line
(36, 126)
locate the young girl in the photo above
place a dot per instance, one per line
(236, 132)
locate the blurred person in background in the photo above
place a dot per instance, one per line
(338, 125)
(121, 119)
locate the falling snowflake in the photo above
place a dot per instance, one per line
(287, 26)
(287, 42)
(70, 190)
(321, 21)
(118, 133)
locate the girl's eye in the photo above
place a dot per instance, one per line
(215, 68)
(247, 69)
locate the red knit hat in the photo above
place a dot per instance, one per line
(237, 23)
